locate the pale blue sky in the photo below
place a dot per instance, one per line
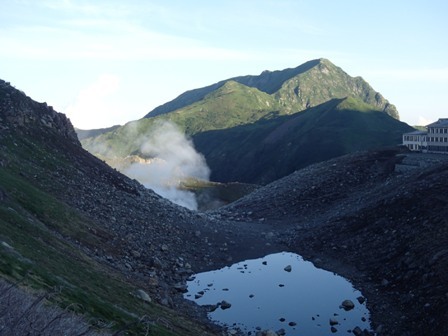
(109, 62)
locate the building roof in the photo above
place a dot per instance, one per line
(442, 122)
(417, 132)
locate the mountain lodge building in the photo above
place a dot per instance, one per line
(434, 140)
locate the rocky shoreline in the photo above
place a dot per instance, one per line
(386, 231)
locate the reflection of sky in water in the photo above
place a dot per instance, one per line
(309, 296)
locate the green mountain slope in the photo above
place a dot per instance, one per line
(267, 150)
(307, 85)
(268, 82)
(245, 107)
(231, 105)
(83, 134)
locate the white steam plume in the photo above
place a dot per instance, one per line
(173, 159)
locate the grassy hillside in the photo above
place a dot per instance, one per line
(268, 82)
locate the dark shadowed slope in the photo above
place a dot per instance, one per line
(270, 149)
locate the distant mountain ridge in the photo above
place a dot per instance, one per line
(294, 88)
(267, 81)
(83, 134)
(242, 111)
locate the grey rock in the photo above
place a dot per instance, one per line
(281, 332)
(6, 245)
(269, 333)
(357, 331)
(156, 263)
(225, 305)
(333, 322)
(347, 305)
(142, 295)
(361, 299)
(136, 254)
(180, 287)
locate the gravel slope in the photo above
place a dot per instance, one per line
(384, 228)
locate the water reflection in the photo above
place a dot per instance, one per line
(279, 291)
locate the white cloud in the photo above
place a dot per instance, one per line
(94, 104)
(115, 42)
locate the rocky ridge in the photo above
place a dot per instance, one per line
(19, 111)
(310, 84)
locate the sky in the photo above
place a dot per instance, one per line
(107, 62)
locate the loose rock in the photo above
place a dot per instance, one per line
(347, 305)
(225, 305)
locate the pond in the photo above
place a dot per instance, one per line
(280, 292)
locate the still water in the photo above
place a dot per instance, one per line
(279, 291)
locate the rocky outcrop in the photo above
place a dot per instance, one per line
(325, 82)
(20, 112)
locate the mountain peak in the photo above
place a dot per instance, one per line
(324, 60)
(310, 84)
